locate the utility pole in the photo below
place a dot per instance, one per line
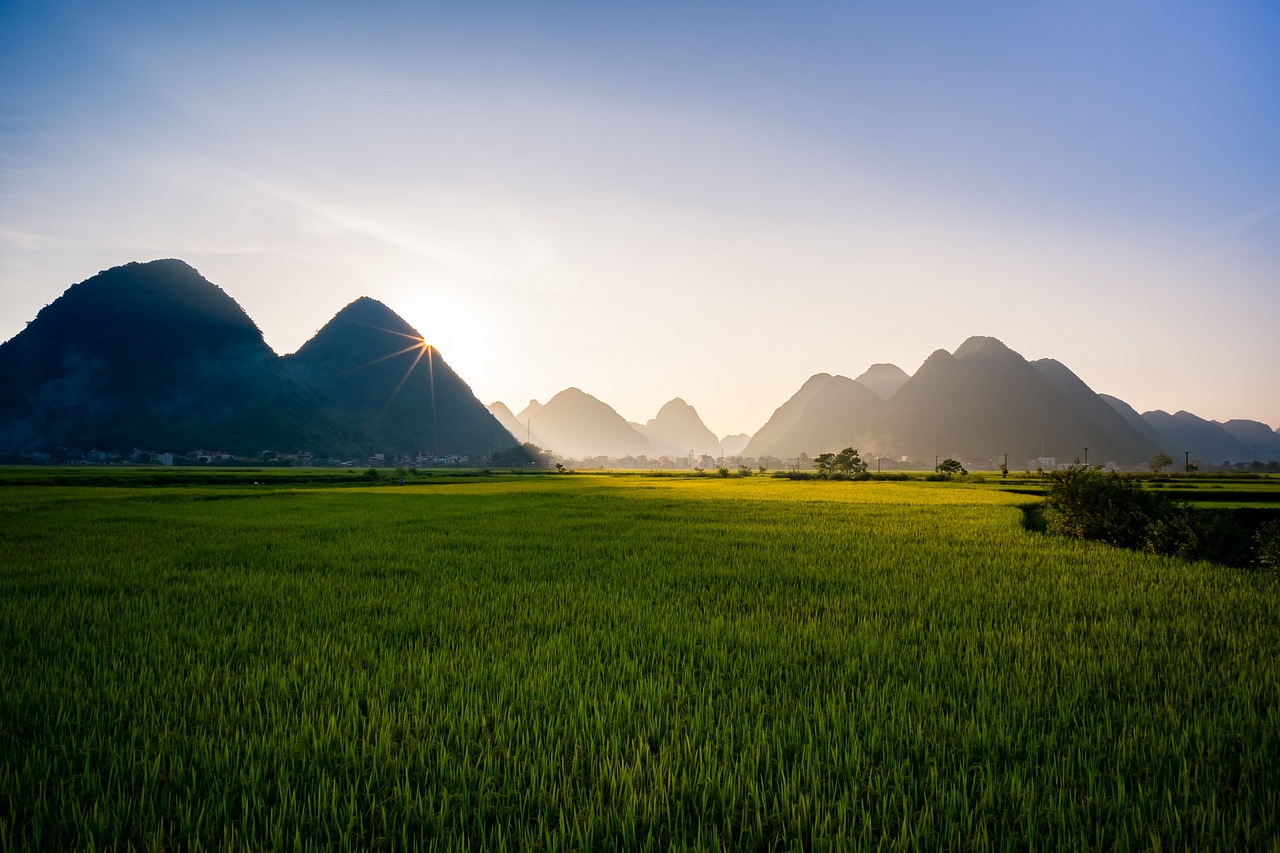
(1186, 466)
(935, 463)
(1086, 457)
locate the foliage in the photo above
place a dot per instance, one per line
(569, 662)
(1267, 546)
(523, 455)
(1086, 503)
(1199, 534)
(1159, 462)
(949, 468)
(849, 462)
(846, 463)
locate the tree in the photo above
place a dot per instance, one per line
(849, 462)
(1159, 462)
(524, 455)
(825, 463)
(949, 467)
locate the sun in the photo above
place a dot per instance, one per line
(420, 348)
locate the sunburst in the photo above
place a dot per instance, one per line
(419, 347)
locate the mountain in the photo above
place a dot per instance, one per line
(1183, 433)
(500, 411)
(677, 430)
(573, 424)
(151, 355)
(1131, 417)
(524, 426)
(772, 437)
(380, 381)
(828, 413)
(733, 445)
(986, 400)
(1123, 437)
(884, 379)
(1261, 440)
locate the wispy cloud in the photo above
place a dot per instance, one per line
(473, 235)
(1240, 225)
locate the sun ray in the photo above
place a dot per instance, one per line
(423, 349)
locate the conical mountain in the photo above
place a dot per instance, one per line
(526, 427)
(1183, 434)
(575, 424)
(734, 444)
(832, 414)
(985, 401)
(773, 437)
(500, 411)
(1262, 441)
(677, 430)
(884, 379)
(1121, 438)
(391, 391)
(150, 355)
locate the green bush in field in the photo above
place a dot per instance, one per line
(1085, 503)
(1267, 546)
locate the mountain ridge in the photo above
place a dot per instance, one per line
(153, 354)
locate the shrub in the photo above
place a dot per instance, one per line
(1085, 503)
(1266, 542)
(1199, 534)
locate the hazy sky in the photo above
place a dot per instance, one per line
(706, 200)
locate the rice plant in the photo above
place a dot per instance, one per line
(633, 663)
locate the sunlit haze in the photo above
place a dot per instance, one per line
(710, 201)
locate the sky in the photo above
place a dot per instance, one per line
(713, 201)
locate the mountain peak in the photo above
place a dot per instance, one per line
(677, 429)
(883, 379)
(983, 347)
(368, 311)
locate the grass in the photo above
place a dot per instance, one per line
(618, 662)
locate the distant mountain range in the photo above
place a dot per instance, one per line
(153, 355)
(986, 404)
(575, 424)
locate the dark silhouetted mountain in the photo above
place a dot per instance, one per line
(986, 400)
(828, 413)
(733, 445)
(1182, 433)
(884, 379)
(677, 430)
(1132, 418)
(1261, 440)
(150, 355)
(391, 392)
(575, 424)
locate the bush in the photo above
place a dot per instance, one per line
(1085, 503)
(1200, 534)
(1266, 546)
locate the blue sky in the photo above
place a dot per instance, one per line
(712, 201)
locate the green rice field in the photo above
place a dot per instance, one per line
(636, 663)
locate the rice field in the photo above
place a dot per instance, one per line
(633, 663)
